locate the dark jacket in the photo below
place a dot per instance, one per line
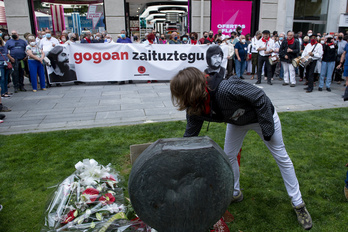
(240, 103)
(330, 53)
(291, 55)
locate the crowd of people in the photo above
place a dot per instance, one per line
(267, 55)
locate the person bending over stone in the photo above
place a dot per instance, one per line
(243, 107)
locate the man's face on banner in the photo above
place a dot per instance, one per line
(63, 61)
(216, 60)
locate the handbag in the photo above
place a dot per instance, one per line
(8, 63)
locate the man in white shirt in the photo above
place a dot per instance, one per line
(48, 43)
(265, 48)
(254, 53)
(315, 51)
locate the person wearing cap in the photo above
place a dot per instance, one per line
(328, 63)
(315, 51)
(265, 48)
(287, 52)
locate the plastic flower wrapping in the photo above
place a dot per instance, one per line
(91, 199)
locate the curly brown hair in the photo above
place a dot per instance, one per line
(188, 91)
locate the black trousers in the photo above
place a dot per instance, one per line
(301, 71)
(261, 61)
(338, 75)
(230, 67)
(18, 75)
(310, 74)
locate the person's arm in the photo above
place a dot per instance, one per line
(282, 50)
(343, 56)
(259, 46)
(8, 54)
(318, 51)
(297, 47)
(193, 126)
(237, 53)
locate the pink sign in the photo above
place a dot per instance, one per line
(228, 15)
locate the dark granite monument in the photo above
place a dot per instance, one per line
(181, 184)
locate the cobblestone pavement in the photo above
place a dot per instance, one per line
(103, 104)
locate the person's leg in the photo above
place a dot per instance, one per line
(323, 74)
(243, 67)
(41, 73)
(238, 68)
(277, 148)
(311, 75)
(33, 73)
(229, 67)
(2, 80)
(269, 71)
(233, 143)
(259, 68)
(6, 80)
(330, 69)
(281, 74)
(21, 76)
(292, 74)
(301, 72)
(15, 75)
(273, 68)
(286, 72)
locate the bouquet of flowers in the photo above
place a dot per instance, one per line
(91, 199)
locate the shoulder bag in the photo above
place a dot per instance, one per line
(9, 64)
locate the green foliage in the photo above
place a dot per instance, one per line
(30, 164)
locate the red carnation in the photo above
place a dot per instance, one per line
(69, 217)
(109, 178)
(93, 194)
(107, 199)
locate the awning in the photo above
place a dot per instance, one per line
(73, 1)
(2, 14)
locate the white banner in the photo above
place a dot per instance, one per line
(121, 62)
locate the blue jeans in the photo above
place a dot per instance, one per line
(35, 67)
(4, 79)
(281, 74)
(240, 67)
(327, 69)
(346, 180)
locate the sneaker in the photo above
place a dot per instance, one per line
(258, 82)
(285, 84)
(320, 89)
(2, 116)
(237, 198)
(34, 90)
(44, 89)
(22, 89)
(241, 77)
(303, 217)
(328, 89)
(4, 108)
(292, 85)
(346, 192)
(269, 82)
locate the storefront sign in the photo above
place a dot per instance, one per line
(228, 15)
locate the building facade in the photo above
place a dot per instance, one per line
(274, 15)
